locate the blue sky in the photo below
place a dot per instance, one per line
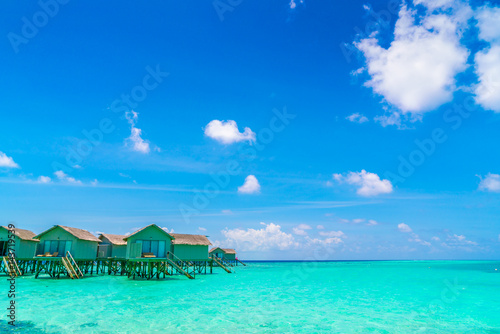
(288, 130)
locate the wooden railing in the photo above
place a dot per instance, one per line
(172, 259)
(73, 263)
(221, 265)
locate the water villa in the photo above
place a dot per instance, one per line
(22, 245)
(58, 240)
(191, 247)
(226, 255)
(25, 243)
(112, 246)
(149, 242)
(150, 252)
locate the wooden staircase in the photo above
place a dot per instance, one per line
(177, 267)
(11, 267)
(241, 262)
(71, 266)
(221, 265)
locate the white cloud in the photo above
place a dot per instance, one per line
(167, 230)
(416, 73)
(416, 238)
(487, 61)
(95, 182)
(301, 229)
(320, 227)
(6, 161)
(324, 242)
(43, 179)
(202, 229)
(138, 144)
(490, 183)
(372, 222)
(226, 132)
(63, 177)
(488, 22)
(331, 238)
(292, 4)
(227, 212)
(488, 71)
(369, 184)
(435, 4)
(404, 228)
(332, 234)
(413, 236)
(251, 186)
(435, 239)
(357, 118)
(392, 118)
(269, 237)
(457, 240)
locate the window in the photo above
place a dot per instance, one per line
(157, 247)
(59, 246)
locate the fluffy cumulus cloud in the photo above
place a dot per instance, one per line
(357, 118)
(7, 162)
(488, 60)
(404, 228)
(251, 186)
(226, 132)
(63, 177)
(490, 183)
(135, 140)
(368, 184)
(416, 72)
(270, 236)
(301, 229)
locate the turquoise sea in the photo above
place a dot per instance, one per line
(271, 297)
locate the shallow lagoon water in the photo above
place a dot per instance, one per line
(271, 297)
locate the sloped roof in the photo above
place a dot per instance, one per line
(215, 248)
(23, 234)
(145, 227)
(76, 232)
(229, 250)
(115, 239)
(190, 239)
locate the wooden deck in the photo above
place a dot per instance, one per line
(145, 268)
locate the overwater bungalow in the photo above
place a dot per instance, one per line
(191, 247)
(148, 242)
(229, 254)
(24, 245)
(217, 252)
(57, 240)
(112, 246)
